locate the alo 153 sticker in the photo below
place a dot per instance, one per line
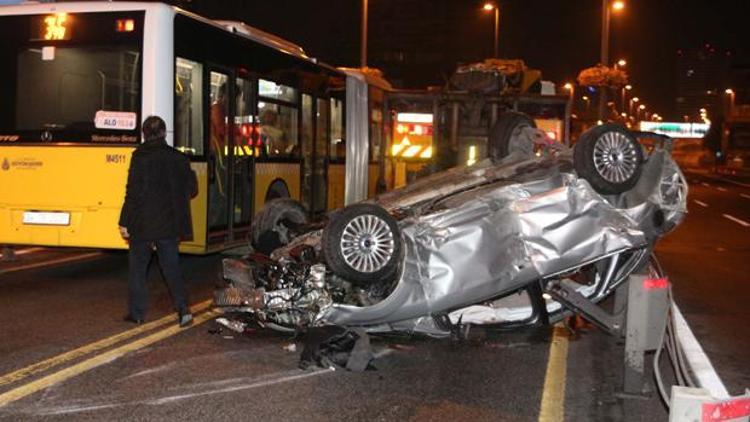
(116, 120)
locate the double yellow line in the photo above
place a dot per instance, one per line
(552, 408)
(99, 359)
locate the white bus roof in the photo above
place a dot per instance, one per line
(239, 28)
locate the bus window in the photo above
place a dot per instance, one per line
(272, 90)
(338, 144)
(217, 195)
(188, 126)
(322, 141)
(376, 133)
(243, 151)
(69, 91)
(278, 130)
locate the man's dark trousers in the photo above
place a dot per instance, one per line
(140, 255)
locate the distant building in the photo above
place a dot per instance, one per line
(702, 76)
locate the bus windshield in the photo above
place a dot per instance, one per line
(71, 78)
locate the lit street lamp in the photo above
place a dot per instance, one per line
(488, 7)
(620, 63)
(586, 99)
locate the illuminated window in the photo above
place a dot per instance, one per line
(338, 144)
(188, 125)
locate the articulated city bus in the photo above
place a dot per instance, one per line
(258, 118)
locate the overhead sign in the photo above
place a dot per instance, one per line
(676, 129)
(116, 120)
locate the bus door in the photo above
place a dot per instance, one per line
(230, 156)
(315, 127)
(244, 151)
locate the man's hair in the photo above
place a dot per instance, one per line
(154, 128)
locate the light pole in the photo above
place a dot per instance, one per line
(730, 92)
(624, 94)
(363, 47)
(616, 5)
(630, 107)
(641, 108)
(571, 90)
(488, 7)
(569, 110)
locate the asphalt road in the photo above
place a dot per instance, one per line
(56, 318)
(708, 261)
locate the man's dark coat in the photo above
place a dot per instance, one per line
(157, 201)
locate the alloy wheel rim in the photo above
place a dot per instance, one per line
(615, 157)
(367, 243)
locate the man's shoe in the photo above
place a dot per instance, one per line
(131, 318)
(186, 319)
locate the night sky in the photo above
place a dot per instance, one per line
(560, 37)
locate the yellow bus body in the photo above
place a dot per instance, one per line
(88, 182)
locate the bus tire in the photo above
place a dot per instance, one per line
(362, 244)
(276, 224)
(503, 132)
(609, 157)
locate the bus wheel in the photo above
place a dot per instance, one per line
(362, 244)
(504, 136)
(609, 157)
(277, 223)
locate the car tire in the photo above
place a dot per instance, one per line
(362, 244)
(274, 226)
(609, 157)
(501, 134)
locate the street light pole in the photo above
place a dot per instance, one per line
(494, 6)
(630, 108)
(569, 110)
(497, 31)
(730, 92)
(604, 55)
(363, 47)
(625, 89)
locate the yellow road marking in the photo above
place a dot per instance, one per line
(91, 363)
(52, 262)
(553, 395)
(92, 347)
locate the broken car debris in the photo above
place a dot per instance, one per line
(479, 244)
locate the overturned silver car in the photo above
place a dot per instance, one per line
(503, 242)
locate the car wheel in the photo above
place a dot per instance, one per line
(362, 244)
(504, 134)
(609, 157)
(277, 224)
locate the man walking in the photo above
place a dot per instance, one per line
(156, 215)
